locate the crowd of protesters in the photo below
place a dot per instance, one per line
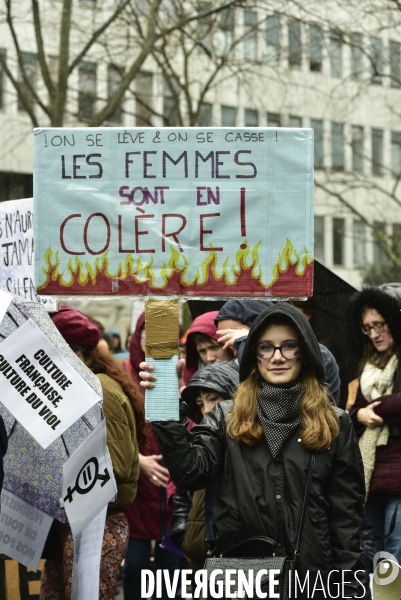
(259, 414)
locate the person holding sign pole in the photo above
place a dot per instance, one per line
(126, 428)
(278, 451)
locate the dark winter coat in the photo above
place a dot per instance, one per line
(3, 449)
(386, 475)
(259, 496)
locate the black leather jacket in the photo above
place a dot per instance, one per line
(259, 496)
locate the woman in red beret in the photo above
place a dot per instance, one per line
(126, 429)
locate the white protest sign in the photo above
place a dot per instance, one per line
(87, 555)
(39, 387)
(5, 300)
(16, 251)
(23, 530)
(88, 480)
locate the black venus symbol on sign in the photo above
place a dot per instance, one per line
(87, 478)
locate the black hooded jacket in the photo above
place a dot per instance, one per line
(259, 496)
(246, 312)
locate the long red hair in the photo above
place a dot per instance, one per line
(99, 361)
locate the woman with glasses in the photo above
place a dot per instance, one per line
(258, 448)
(375, 336)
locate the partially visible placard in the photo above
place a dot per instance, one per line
(88, 480)
(39, 387)
(23, 530)
(17, 251)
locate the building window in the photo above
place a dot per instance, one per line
(250, 35)
(251, 118)
(337, 146)
(30, 62)
(379, 257)
(204, 24)
(377, 151)
(396, 153)
(295, 121)
(338, 241)
(315, 48)
(273, 120)
(205, 115)
(317, 127)
(294, 43)
(336, 53)
(144, 99)
(319, 239)
(227, 28)
(376, 62)
(395, 64)
(86, 90)
(3, 54)
(357, 148)
(171, 110)
(359, 244)
(114, 77)
(396, 239)
(228, 116)
(356, 55)
(273, 40)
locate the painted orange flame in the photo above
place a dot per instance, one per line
(292, 276)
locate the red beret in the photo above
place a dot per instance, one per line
(75, 327)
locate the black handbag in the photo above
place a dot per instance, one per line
(256, 558)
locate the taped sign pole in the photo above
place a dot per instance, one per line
(162, 334)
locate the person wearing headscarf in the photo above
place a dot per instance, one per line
(149, 515)
(374, 326)
(125, 426)
(258, 450)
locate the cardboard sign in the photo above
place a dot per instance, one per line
(16, 251)
(88, 480)
(87, 555)
(185, 211)
(23, 530)
(39, 387)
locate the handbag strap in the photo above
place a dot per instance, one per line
(304, 504)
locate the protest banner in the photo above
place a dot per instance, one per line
(23, 530)
(88, 480)
(39, 387)
(17, 251)
(182, 212)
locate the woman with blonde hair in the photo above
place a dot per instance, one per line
(260, 449)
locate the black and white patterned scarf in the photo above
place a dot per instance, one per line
(278, 413)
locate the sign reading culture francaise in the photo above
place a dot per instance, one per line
(174, 211)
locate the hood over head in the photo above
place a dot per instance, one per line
(294, 317)
(221, 378)
(386, 299)
(244, 311)
(202, 324)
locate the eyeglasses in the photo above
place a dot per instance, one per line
(289, 350)
(378, 327)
